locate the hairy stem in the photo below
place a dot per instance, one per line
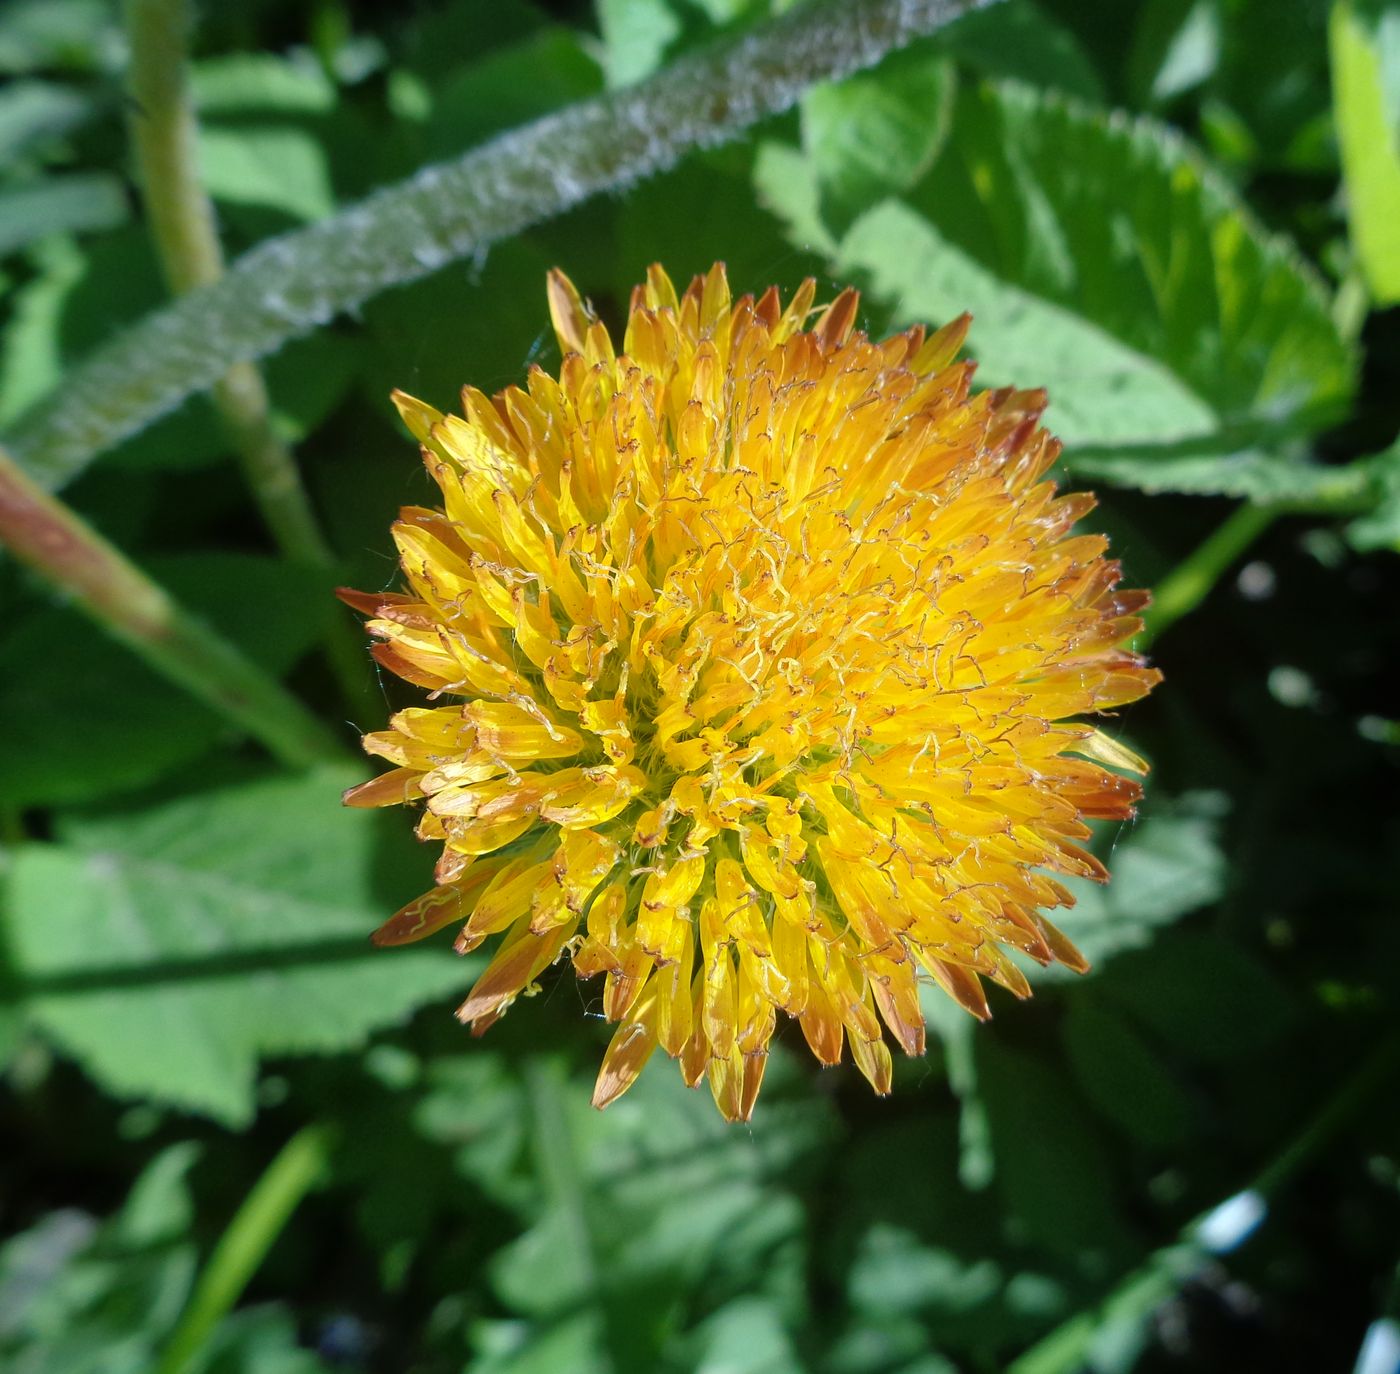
(289, 285)
(60, 546)
(299, 1165)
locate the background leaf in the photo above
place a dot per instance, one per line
(60, 205)
(280, 169)
(873, 136)
(1368, 131)
(168, 949)
(1170, 318)
(33, 112)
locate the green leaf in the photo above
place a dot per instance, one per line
(159, 1209)
(1101, 256)
(31, 351)
(260, 83)
(77, 1297)
(61, 750)
(420, 338)
(1123, 1076)
(76, 203)
(785, 186)
(1206, 997)
(1380, 529)
(438, 41)
(278, 168)
(1281, 104)
(1018, 39)
(631, 1211)
(1053, 1171)
(1370, 145)
(32, 112)
(475, 1105)
(746, 1336)
(1104, 391)
(876, 134)
(704, 212)
(266, 1339)
(508, 87)
(507, 1347)
(956, 1031)
(82, 1297)
(1221, 464)
(894, 1273)
(59, 35)
(169, 949)
(1168, 864)
(1176, 47)
(636, 34)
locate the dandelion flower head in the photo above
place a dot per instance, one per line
(753, 655)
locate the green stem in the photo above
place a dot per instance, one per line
(244, 1245)
(240, 397)
(290, 285)
(1068, 1349)
(165, 136)
(1193, 579)
(62, 547)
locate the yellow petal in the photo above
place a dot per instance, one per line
(511, 732)
(567, 312)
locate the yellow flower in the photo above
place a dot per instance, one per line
(754, 648)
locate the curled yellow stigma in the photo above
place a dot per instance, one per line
(754, 650)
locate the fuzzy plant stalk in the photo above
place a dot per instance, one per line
(453, 210)
(54, 541)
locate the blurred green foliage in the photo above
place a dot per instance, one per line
(1143, 204)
